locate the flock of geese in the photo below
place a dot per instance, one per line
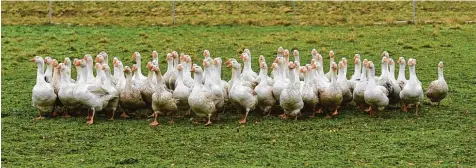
(294, 87)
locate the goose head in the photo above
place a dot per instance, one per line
(247, 51)
(80, 63)
(384, 54)
(441, 65)
(280, 52)
(217, 61)
(106, 68)
(286, 54)
(245, 57)
(61, 67)
(67, 62)
(134, 68)
(365, 62)
(196, 69)
(114, 60)
(314, 53)
(48, 61)
(155, 57)
(279, 60)
(401, 61)
(127, 71)
(292, 65)
(296, 53)
(54, 62)
(135, 57)
(98, 66)
(205, 64)
(274, 66)
(149, 65)
(100, 59)
(303, 69)
(411, 62)
(169, 57)
(262, 59)
(390, 61)
(206, 54)
(331, 54)
(179, 68)
(89, 59)
(263, 66)
(175, 54)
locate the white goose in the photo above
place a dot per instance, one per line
(66, 91)
(67, 63)
(170, 69)
(241, 95)
(412, 92)
(121, 80)
(200, 100)
(360, 86)
(375, 95)
(43, 96)
(111, 89)
(290, 98)
(344, 85)
(182, 92)
(401, 80)
(395, 94)
(248, 74)
(280, 81)
(309, 91)
(264, 91)
(92, 96)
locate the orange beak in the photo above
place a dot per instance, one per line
(97, 59)
(33, 59)
(276, 60)
(134, 56)
(85, 58)
(228, 63)
(77, 63)
(214, 62)
(193, 69)
(355, 60)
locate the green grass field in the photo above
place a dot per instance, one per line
(442, 135)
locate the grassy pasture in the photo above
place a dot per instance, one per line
(236, 13)
(443, 136)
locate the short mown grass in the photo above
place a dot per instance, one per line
(443, 135)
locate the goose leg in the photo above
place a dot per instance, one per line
(368, 109)
(112, 115)
(171, 120)
(404, 107)
(91, 120)
(268, 109)
(40, 117)
(335, 112)
(242, 121)
(416, 111)
(283, 116)
(209, 122)
(53, 113)
(155, 122)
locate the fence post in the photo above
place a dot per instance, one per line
(294, 12)
(413, 7)
(173, 12)
(50, 12)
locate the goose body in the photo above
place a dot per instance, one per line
(182, 92)
(290, 98)
(438, 89)
(360, 86)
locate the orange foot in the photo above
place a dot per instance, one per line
(335, 113)
(54, 114)
(171, 122)
(329, 116)
(405, 108)
(242, 121)
(90, 122)
(208, 123)
(154, 123)
(124, 115)
(283, 116)
(187, 114)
